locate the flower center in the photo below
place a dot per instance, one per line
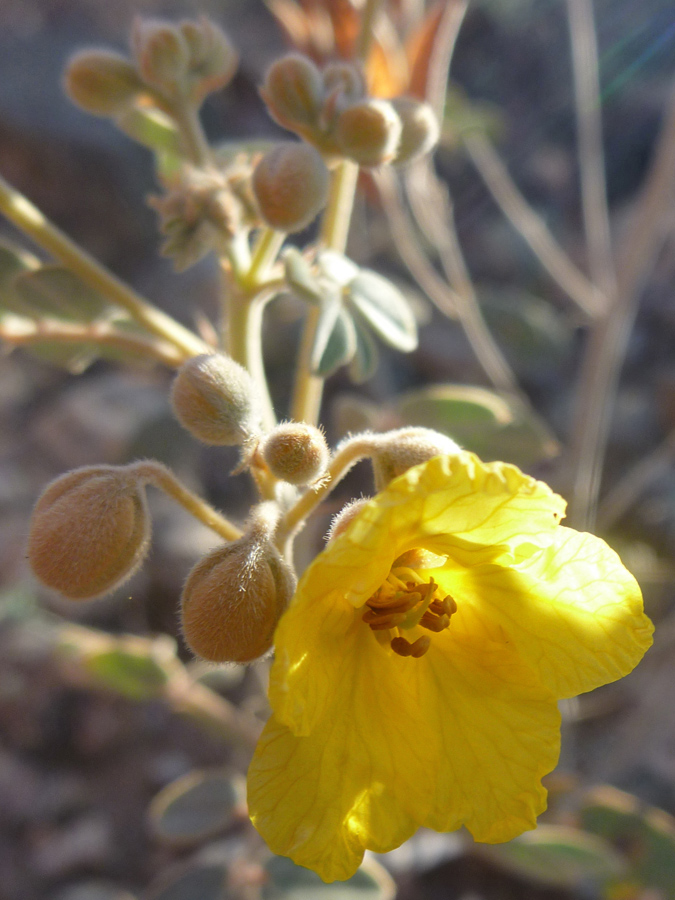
(405, 601)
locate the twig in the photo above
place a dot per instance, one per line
(28, 218)
(408, 247)
(635, 482)
(609, 339)
(591, 154)
(432, 207)
(25, 332)
(530, 226)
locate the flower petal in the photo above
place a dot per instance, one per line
(461, 736)
(571, 609)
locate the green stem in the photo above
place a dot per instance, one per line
(186, 117)
(243, 337)
(163, 478)
(27, 217)
(267, 245)
(308, 388)
(346, 456)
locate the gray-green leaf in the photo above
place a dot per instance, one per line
(385, 309)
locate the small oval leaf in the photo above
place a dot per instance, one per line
(196, 806)
(385, 309)
(364, 362)
(204, 882)
(334, 341)
(53, 292)
(134, 675)
(291, 882)
(558, 856)
(299, 276)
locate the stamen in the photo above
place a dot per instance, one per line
(404, 648)
(403, 605)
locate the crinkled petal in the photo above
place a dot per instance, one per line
(452, 504)
(461, 736)
(572, 610)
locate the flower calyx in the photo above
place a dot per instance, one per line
(394, 452)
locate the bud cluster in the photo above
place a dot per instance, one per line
(206, 209)
(331, 109)
(170, 63)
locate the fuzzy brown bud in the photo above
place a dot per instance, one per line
(162, 54)
(291, 186)
(420, 129)
(397, 451)
(102, 82)
(369, 132)
(212, 58)
(233, 599)
(295, 452)
(293, 91)
(89, 532)
(342, 520)
(215, 399)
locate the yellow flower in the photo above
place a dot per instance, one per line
(417, 669)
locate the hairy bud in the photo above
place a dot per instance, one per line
(291, 186)
(162, 54)
(397, 451)
(293, 92)
(102, 82)
(295, 452)
(233, 599)
(89, 532)
(215, 399)
(342, 520)
(420, 129)
(212, 59)
(369, 132)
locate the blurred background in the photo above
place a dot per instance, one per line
(88, 734)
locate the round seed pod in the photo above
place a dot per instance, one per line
(295, 452)
(369, 132)
(233, 599)
(397, 451)
(214, 398)
(101, 82)
(89, 532)
(291, 186)
(420, 129)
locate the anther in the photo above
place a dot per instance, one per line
(434, 623)
(404, 648)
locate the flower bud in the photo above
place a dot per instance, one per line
(342, 520)
(161, 53)
(233, 599)
(369, 132)
(397, 451)
(102, 82)
(291, 186)
(343, 84)
(295, 452)
(292, 92)
(212, 59)
(420, 129)
(215, 399)
(89, 532)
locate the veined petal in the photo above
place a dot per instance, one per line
(571, 609)
(461, 736)
(456, 500)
